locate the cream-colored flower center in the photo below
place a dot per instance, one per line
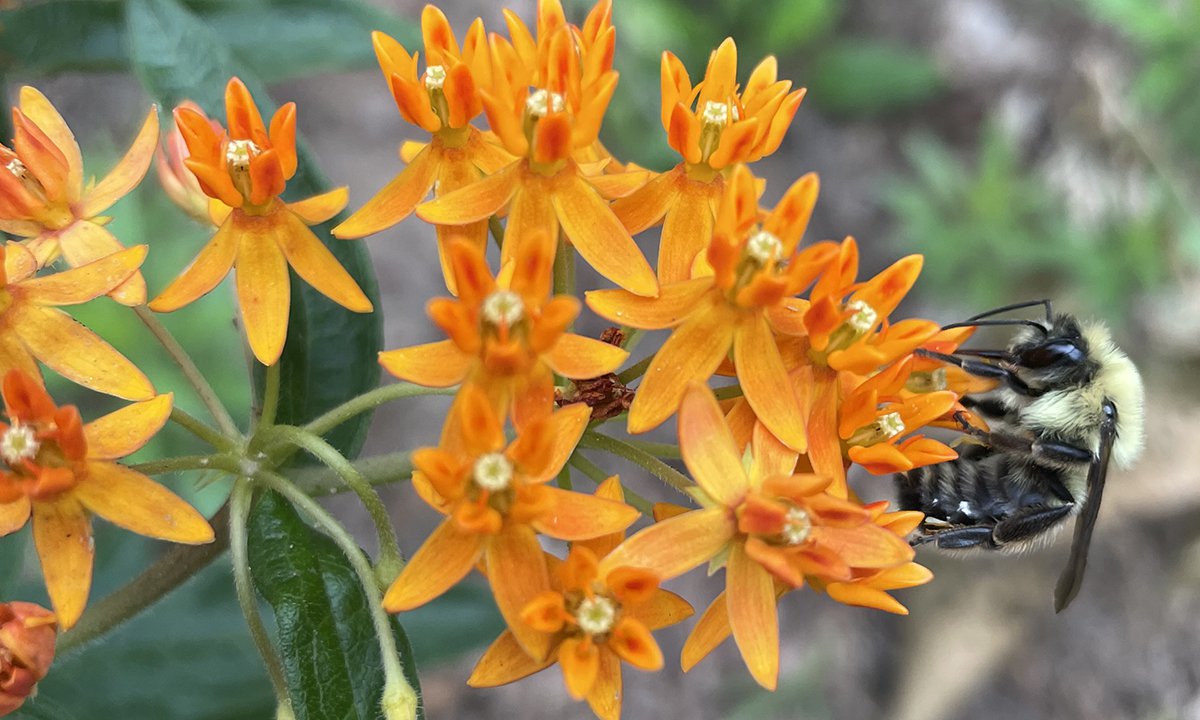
(503, 306)
(891, 425)
(764, 247)
(493, 472)
(715, 113)
(17, 168)
(239, 153)
(927, 381)
(596, 615)
(18, 443)
(542, 102)
(435, 77)
(797, 526)
(864, 316)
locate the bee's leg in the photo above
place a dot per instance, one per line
(1029, 522)
(1051, 450)
(960, 538)
(983, 369)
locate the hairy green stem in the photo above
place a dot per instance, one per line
(661, 450)
(369, 401)
(635, 371)
(377, 470)
(200, 429)
(633, 337)
(239, 552)
(184, 462)
(193, 375)
(270, 406)
(597, 475)
(392, 669)
(645, 460)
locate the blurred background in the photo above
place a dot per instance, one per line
(1028, 148)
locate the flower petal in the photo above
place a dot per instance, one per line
(86, 282)
(125, 431)
(78, 354)
(864, 596)
(633, 642)
(769, 456)
(439, 364)
(580, 662)
(692, 353)
(579, 358)
(530, 219)
(606, 695)
(516, 569)
(505, 661)
(686, 232)
(599, 236)
(446, 557)
(263, 287)
(204, 273)
(14, 515)
(662, 609)
(674, 303)
(867, 546)
(127, 173)
(708, 449)
(576, 516)
(544, 457)
(129, 499)
(84, 242)
(39, 109)
(647, 205)
(676, 545)
(312, 261)
(825, 447)
(62, 534)
(765, 382)
(396, 200)
(753, 617)
(709, 631)
(477, 201)
(319, 208)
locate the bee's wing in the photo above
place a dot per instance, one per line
(1072, 575)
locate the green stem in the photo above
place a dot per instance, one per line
(389, 547)
(633, 337)
(728, 392)
(176, 566)
(597, 475)
(239, 514)
(378, 470)
(185, 462)
(564, 268)
(194, 377)
(633, 372)
(270, 406)
(648, 462)
(564, 478)
(369, 401)
(660, 450)
(497, 230)
(200, 429)
(392, 669)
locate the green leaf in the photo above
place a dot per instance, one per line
(46, 38)
(866, 77)
(462, 620)
(788, 25)
(330, 355)
(326, 639)
(42, 708)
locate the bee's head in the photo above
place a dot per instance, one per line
(1054, 357)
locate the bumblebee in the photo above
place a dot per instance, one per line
(1068, 403)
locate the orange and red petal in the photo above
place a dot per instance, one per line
(764, 381)
(127, 173)
(676, 545)
(576, 516)
(283, 137)
(633, 643)
(446, 557)
(580, 662)
(42, 112)
(708, 449)
(541, 458)
(397, 199)
(62, 534)
(753, 617)
(516, 569)
(125, 431)
(204, 273)
(131, 500)
(313, 262)
(675, 302)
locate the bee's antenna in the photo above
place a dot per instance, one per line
(1016, 306)
(984, 323)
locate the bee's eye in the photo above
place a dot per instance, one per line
(1057, 351)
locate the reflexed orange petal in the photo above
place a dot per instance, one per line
(262, 283)
(15, 356)
(127, 173)
(62, 534)
(83, 283)
(84, 242)
(78, 354)
(580, 662)
(319, 208)
(131, 500)
(396, 200)
(125, 431)
(769, 457)
(204, 273)
(662, 609)
(477, 201)
(709, 632)
(765, 382)
(578, 357)
(39, 109)
(633, 642)
(505, 661)
(750, 594)
(312, 261)
(674, 303)
(692, 353)
(676, 545)
(867, 546)
(707, 447)
(439, 364)
(576, 516)
(864, 596)
(687, 230)
(607, 693)
(446, 557)
(599, 236)
(646, 206)
(618, 185)
(516, 569)
(14, 515)
(530, 220)
(824, 445)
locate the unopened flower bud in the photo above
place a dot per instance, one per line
(27, 635)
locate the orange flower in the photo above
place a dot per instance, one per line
(442, 101)
(869, 587)
(768, 525)
(545, 103)
(27, 635)
(60, 471)
(32, 328)
(756, 270)
(851, 335)
(722, 128)
(178, 181)
(43, 196)
(506, 336)
(496, 499)
(246, 169)
(594, 622)
(879, 413)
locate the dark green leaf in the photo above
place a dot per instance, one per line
(46, 38)
(42, 708)
(326, 639)
(865, 77)
(331, 352)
